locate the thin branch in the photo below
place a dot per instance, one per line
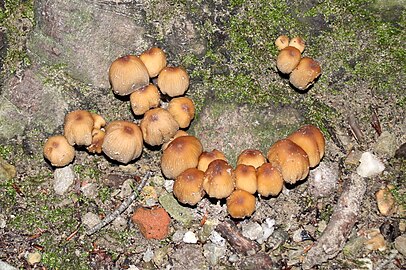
(355, 129)
(122, 207)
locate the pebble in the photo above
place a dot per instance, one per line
(370, 165)
(385, 201)
(33, 258)
(217, 239)
(89, 190)
(178, 212)
(375, 241)
(7, 171)
(385, 145)
(213, 253)
(148, 255)
(126, 188)
(177, 236)
(190, 238)
(153, 223)
(119, 223)
(400, 244)
(6, 266)
(323, 179)
(168, 185)
(252, 230)
(267, 229)
(63, 179)
(90, 219)
(3, 222)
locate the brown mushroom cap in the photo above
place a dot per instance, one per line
(127, 74)
(269, 180)
(173, 81)
(144, 98)
(181, 154)
(98, 121)
(290, 159)
(158, 126)
(282, 42)
(58, 151)
(178, 133)
(154, 60)
(240, 204)
(218, 181)
(251, 157)
(122, 141)
(311, 140)
(207, 157)
(288, 58)
(305, 73)
(182, 110)
(188, 186)
(78, 127)
(97, 141)
(245, 178)
(298, 43)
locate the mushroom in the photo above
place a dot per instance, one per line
(282, 42)
(144, 98)
(251, 157)
(98, 121)
(311, 140)
(182, 110)
(158, 126)
(245, 178)
(123, 141)
(288, 58)
(290, 159)
(173, 81)
(127, 74)
(218, 181)
(207, 157)
(58, 151)
(154, 60)
(188, 186)
(78, 127)
(97, 141)
(305, 73)
(298, 43)
(178, 133)
(240, 204)
(180, 154)
(269, 180)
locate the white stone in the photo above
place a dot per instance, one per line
(252, 230)
(63, 179)
(370, 165)
(33, 258)
(168, 185)
(267, 229)
(148, 255)
(90, 219)
(217, 239)
(190, 238)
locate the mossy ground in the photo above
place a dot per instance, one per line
(359, 44)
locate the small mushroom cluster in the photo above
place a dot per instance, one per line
(197, 172)
(303, 70)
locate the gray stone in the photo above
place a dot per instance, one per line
(6, 266)
(63, 179)
(252, 230)
(400, 244)
(178, 212)
(385, 145)
(188, 256)
(323, 179)
(213, 253)
(90, 220)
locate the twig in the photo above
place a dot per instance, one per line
(355, 129)
(375, 123)
(333, 135)
(121, 208)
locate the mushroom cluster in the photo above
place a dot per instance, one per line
(303, 70)
(198, 172)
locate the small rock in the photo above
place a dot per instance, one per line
(353, 157)
(323, 179)
(190, 238)
(33, 258)
(148, 255)
(63, 179)
(90, 220)
(2, 222)
(267, 229)
(370, 165)
(233, 258)
(178, 236)
(89, 190)
(385, 201)
(150, 196)
(385, 145)
(213, 253)
(153, 223)
(168, 185)
(6, 266)
(252, 230)
(375, 240)
(7, 171)
(279, 237)
(217, 239)
(400, 244)
(126, 188)
(401, 151)
(180, 213)
(120, 223)
(354, 246)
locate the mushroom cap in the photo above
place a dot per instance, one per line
(154, 60)
(305, 73)
(158, 126)
(98, 121)
(207, 157)
(58, 151)
(188, 186)
(178, 133)
(144, 98)
(311, 140)
(122, 141)
(288, 58)
(173, 81)
(97, 141)
(240, 204)
(127, 74)
(181, 154)
(290, 159)
(78, 127)
(298, 43)
(245, 178)
(182, 110)
(251, 157)
(218, 181)
(282, 42)
(269, 180)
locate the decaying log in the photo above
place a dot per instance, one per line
(341, 222)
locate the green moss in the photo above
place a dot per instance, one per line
(6, 151)
(86, 171)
